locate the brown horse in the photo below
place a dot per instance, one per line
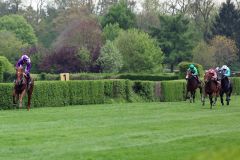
(211, 87)
(21, 88)
(192, 86)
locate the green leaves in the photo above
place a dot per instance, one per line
(175, 38)
(121, 14)
(140, 52)
(110, 58)
(18, 25)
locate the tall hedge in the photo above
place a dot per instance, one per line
(58, 93)
(1, 72)
(183, 66)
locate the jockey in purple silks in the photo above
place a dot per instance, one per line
(25, 60)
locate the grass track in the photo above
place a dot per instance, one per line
(138, 131)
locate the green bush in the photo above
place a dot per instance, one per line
(147, 77)
(1, 73)
(7, 66)
(183, 66)
(59, 93)
(173, 90)
(236, 85)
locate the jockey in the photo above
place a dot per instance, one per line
(226, 71)
(25, 60)
(214, 73)
(194, 71)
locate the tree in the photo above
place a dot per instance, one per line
(140, 52)
(110, 59)
(121, 14)
(104, 5)
(202, 12)
(175, 39)
(226, 20)
(81, 32)
(18, 25)
(111, 31)
(225, 50)
(204, 54)
(148, 17)
(11, 47)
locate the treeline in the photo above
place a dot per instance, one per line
(119, 36)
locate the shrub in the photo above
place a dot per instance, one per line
(173, 90)
(183, 66)
(7, 66)
(1, 73)
(147, 77)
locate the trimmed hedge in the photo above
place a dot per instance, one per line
(236, 85)
(58, 93)
(9, 77)
(147, 77)
(1, 73)
(183, 66)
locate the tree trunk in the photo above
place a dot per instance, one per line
(172, 67)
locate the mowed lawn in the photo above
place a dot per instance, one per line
(138, 131)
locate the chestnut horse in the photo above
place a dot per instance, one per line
(21, 88)
(211, 88)
(192, 86)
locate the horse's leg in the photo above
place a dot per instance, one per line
(191, 96)
(194, 92)
(211, 100)
(29, 98)
(221, 97)
(21, 98)
(14, 97)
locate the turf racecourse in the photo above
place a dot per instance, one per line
(138, 131)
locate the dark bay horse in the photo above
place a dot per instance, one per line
(192, 85)
(226, 87)
(211, 88)
(21, 88)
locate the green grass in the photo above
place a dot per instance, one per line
(138, 131)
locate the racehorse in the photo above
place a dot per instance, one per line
(21, 88)
(211, 88)
(226, 87)
(192, 85)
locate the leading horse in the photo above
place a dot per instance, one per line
(192, 85)
(21, 88)
(211, 87)
(226, 87)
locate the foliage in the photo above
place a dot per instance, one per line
(61, 61)
(147, 77)
(226, 20)
(18, 25)
(10, 46)
(183, 66)
(6, 65)
(140, 52)
(175, 39)
(82, 31)
(1, 72)
(204, 54)
(111, 31)
(110, 59)
(120, 13)
(225, 50)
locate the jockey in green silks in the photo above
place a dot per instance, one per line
(194, 71)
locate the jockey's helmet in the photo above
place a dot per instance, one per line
(224, 67)
(191, 66)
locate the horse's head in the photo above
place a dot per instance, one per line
(188, 74)
(209, 74)
(19, 75)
